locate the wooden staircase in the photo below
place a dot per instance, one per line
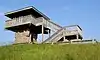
(63, 32)
(56, 36)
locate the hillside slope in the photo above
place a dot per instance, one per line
(50, 52)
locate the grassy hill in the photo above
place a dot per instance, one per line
(50, 52)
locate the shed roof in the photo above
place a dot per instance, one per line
(26, 10)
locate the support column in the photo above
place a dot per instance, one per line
(42, 31)
(64, 38)
(64, 35)
(77, 37)
(49, 33)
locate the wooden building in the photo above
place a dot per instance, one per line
(28, 22)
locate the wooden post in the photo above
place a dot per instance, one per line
(77, 36)
(64, 38)
(42, 31)
(64, 35)
(49, 33)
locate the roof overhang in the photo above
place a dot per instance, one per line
(26, 10)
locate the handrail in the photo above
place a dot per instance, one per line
(56, 38)
(8, 20)
(18, 21)
(59, 32)
(51, 22)
(53, 35)
(55, 24)
(74, 26)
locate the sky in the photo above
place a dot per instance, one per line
(85, 13)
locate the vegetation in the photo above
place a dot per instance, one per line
(50, 52)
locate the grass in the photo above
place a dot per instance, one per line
(50, 52)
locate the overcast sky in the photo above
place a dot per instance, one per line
(85, 13)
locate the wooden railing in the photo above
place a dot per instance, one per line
(79, 31)
(49, 24)
(30, 19)
(75, 30)
(58, 36)
(23, 20)
(18, 21)
(12, 23)
(63, 32)
(37, 21)
(54, 36)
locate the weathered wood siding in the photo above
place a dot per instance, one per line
(73, 31)
(37, 21)
(66, 31)
(48, 24)
(20, 21)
